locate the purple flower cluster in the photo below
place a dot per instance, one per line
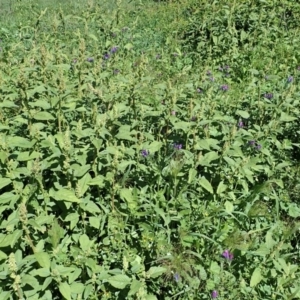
(90, 59)
(214, 294)
(290, 79)
(145, 153)
(253, 143)
(224, 87)
(241, 124)
(114, 49)
(268, 95)
(177, 146)
(227, 255)
(106, 56)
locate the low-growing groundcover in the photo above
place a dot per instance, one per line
(150, 151)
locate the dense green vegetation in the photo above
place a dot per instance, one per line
(149, 149)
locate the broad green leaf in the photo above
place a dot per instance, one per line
(77, 287)
(256, 277)
(229, 207)
(8, 104)
(42, 272)
(17, 141)
(154, 147)
(206, 184)
(119, 281)
(84, 242)
(192, 175)
(154, 272)
(92, 36)
(243, 114)
(43, 259)
(28, 155)
(4, 182)
(65, 195)
(95, 222)
(65, 290)
(83, 183)
(126, 194)
(221, 188)
(134, 287)
(43, 116)
(286, 118)
(74, 275)
(215, 268)
(91, 207)
(30, 280)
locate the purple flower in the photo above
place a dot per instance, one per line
(290, 79)
(214, 294)
(176, 277)
(145, 153)
(224, 87)
(251, 143)
(268, 95)
(177, 146)
(227, 255)
(240, 124)
(106, 56)
(114, 49)
(90, 59)
(258, 147)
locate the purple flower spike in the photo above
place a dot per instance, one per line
(114, 49)
(176, 277)
(90, 59)
(106, 56)
(240, 124)
(145, 153)
(290, 79)
(214, 294)
(224, 87)
(268, 95)
(227, 255)
(177, 146)
(258, 147)
(251, 143)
